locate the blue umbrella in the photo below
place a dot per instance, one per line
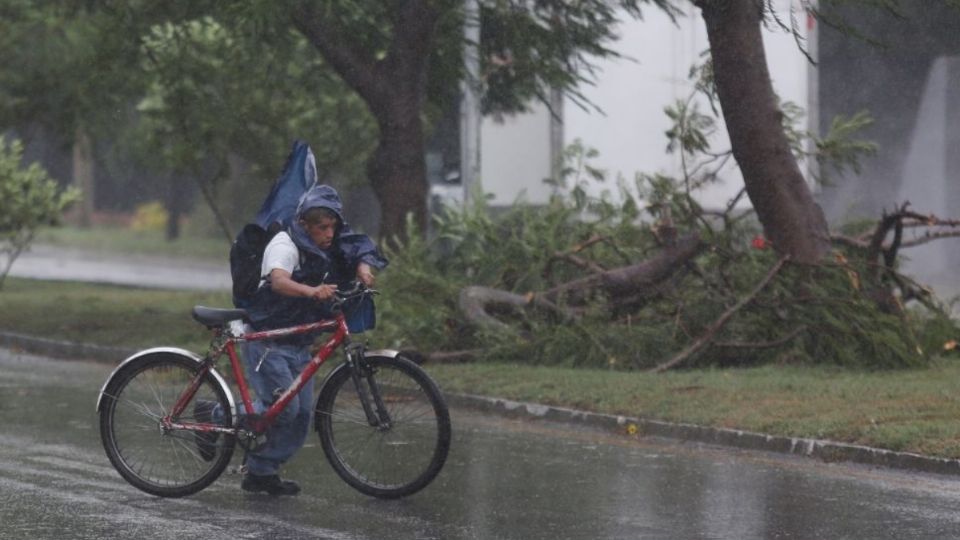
(299, 175)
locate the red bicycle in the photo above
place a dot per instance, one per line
(382, 421)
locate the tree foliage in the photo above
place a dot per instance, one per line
(176, 94)
(211, 81)
(64, 67)
(836, 312)
(217, 93)
(529, 49)
(28, 199)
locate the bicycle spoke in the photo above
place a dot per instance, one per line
(157, 460)
(393, 459)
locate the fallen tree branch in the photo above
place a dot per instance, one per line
(929, 237)
(571, 255)
(712, 330)
(589, 242)
(634, 279)
(474, 300)
(905, 219)
(574, 260)
(849, 241)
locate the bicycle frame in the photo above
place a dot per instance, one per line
(340, 336)
(170, 422)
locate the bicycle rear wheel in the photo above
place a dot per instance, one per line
(390, 460)
(164, 462)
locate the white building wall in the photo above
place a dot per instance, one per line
(515, 157)
(632, 92)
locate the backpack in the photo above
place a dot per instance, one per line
(276, 212)
(246, 259)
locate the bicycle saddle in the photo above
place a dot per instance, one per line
(216, 316)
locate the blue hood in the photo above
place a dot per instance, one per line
(321, 196)
(353, 246)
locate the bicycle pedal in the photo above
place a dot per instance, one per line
(239, 469)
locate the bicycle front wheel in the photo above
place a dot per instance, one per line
(157, 460)
(408, 445)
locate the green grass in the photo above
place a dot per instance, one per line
(910, 410)
(106, 239)
(914, 411)
(105, 314)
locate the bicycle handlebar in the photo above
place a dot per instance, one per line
(358, 289)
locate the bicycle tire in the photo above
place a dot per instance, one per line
(385, 463)
(166, 464)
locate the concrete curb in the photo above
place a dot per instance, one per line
(829, 451)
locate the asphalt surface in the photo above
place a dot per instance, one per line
(524, 479)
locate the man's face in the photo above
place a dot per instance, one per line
(322, 231)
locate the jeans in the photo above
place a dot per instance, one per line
(271, 368)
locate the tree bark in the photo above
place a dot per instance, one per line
(474, 300)
(634, 279)
(791, 219)
(397, 170)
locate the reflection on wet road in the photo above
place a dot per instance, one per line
(504, 479)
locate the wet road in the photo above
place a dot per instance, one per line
(47, 262)
(504, 479)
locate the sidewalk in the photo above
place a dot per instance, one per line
(68, 264)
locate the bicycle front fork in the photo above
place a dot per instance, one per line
(368, 390)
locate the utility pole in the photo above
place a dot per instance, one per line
(470, 102)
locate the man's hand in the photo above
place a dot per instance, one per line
(365, 274)
(282, 283)
(322, 293)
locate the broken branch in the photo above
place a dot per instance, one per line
(474, 300)
(715, 327)
(634, 279)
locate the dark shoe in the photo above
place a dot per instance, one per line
(271, 484)
(203, 413)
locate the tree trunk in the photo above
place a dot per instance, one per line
(83, 179)
(397, 170)
(394, 89)
(791, 220)
(175, 203)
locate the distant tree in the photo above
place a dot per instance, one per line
(176, 92)
(28, 200)
(402, 59)
(65, 68)
(216, 93)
